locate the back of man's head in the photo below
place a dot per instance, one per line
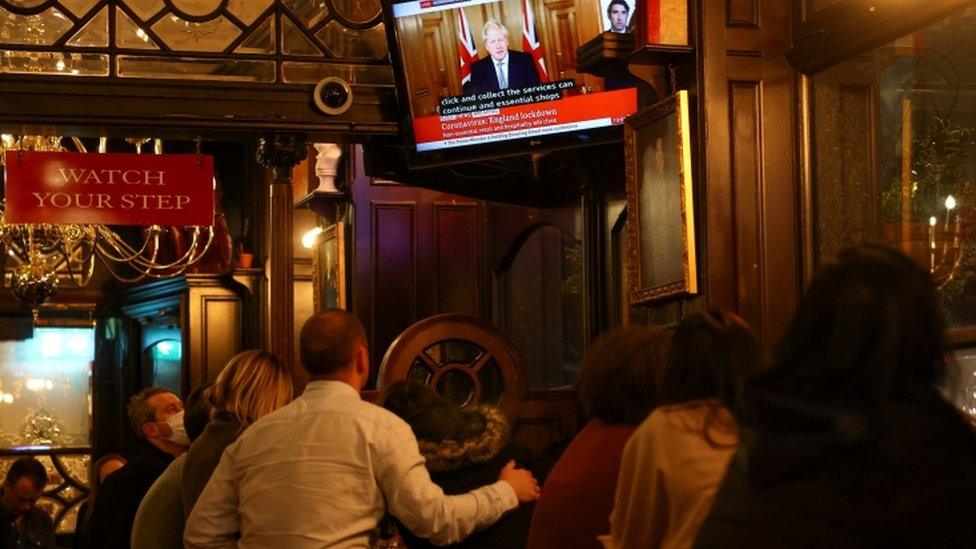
(29, 467)
(140, 411)
(329, 342)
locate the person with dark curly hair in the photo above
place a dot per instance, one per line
(618, 387)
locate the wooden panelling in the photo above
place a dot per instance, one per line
(746, 157)
(394, 262)
(751, 221)
(743, 13)
(458, 253)
(220, 335)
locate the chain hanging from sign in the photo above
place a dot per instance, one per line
(58, 208)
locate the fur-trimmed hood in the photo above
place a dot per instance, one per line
(448, 455)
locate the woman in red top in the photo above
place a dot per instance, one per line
(618, 389)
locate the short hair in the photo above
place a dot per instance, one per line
(253, 384)
(196, 411)
(710, 353)
(30, 467)
(617, 2)
(620, 372)
(329, 341)
(139, 410)
(94, 478)
(493, 24)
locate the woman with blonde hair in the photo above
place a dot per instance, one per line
(252, 385)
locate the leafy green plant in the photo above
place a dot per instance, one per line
(938, 170)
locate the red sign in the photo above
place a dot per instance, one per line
(109, 189)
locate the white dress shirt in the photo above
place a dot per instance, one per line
(322, 471)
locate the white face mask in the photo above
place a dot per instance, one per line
(178, 434)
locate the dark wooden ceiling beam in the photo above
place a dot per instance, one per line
(853, 27)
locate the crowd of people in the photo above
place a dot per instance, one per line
(845, 439)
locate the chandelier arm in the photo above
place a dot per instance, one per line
(188, 258)
(119, 246)
(78, 256)
(148, 266)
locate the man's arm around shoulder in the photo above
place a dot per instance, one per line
(423, 507)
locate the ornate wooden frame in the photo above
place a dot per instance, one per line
(638, 183)
(322, 286)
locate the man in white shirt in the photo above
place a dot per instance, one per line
(322, 471)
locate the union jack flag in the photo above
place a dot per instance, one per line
(530, 42)
(466, 48)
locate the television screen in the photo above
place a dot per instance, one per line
(477, 72)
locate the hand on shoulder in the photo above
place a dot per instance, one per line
(525, 485)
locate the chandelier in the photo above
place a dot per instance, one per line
(43, 255)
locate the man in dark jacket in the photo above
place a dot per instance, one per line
(24, 525)
(156, 416)
(503, 68)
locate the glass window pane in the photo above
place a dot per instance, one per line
(358, 12)
(144, 9)
(197, 8)
(294, 42)
(247, 11)
(261, 39)
(962, 381)
(45, 388)
(130, 35)
(26, 3)
(492, 383)
(454, 351)
(309, 73)
(348, 43)
(79, 7)
(419, 372)
(69, 64)
(94, 33)
(309, 12)
(814, 6)
(42, 29)
(456, 387)
(182, 35)
(894, 134)
(131, 66)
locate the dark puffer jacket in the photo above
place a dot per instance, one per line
(459, 466)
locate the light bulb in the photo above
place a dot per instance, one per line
(308, 239)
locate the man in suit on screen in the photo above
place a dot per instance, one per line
(503, 68)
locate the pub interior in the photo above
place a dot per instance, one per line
(705, 160)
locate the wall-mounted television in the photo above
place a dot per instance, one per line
(480, 78)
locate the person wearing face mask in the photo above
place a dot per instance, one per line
(156, 415)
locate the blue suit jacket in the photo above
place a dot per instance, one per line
(521, 73)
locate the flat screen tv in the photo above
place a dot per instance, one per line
(480, 78)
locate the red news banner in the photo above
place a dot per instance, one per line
(109, 189)
(566, 114)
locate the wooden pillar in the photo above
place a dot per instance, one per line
(281, 153)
